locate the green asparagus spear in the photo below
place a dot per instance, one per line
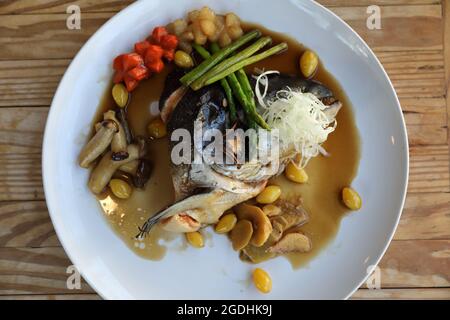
(274, 50)
(248, 52)
(218, 57)
(246, 87)
(226, 87)
(240, 95)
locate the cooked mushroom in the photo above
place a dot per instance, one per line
(143, 173)
(98, 144)
(101, 175)
(241, 234)
(143, 144)
(121, 115)
(119, 141)
(261, 224)
(292, 242)
(271, 210)
(130, 167)
(291, 216)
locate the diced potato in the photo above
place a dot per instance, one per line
(206, 13)
(179, 26)
(235, 32)
(231, 20)
(224, 40)
(193, 15)
(207, 27)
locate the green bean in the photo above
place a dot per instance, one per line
(218, 57)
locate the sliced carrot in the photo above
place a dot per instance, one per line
(131, 60)
(141, 47)
(130, 83)
(118, 62)
(169, 54)
(169, 42)
(118, 77)
(154, 52)
(155, 65)
(138, 73)
(157, 34)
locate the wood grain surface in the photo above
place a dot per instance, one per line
(36, 49)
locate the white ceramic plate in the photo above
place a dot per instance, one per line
(115, 272)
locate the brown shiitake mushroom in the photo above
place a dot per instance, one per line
(102, 174)
(98, 144)
(261, 223)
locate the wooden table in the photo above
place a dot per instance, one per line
(36, 48)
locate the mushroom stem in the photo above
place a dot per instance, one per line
(98, 144)
(119, 141)
(102, 174)
(122, 117)
(130, 167)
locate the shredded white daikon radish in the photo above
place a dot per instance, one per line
(299, 118)
(262, 79)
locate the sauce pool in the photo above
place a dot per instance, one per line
(320, 196)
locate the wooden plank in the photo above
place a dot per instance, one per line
(60, 6)
(429, 170)
(425, 216)
(424, 111)
(415, 74)
(446, 37)
(45, 36)
(30, 82)
(416, 263)
(20, 177)
(26, 224)
(365, 3)
(21, 130)
(361, 294)
(403, 294)
(81, 296)
(35, 270)
(415, 27)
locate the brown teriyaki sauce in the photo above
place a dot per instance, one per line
(320, 196)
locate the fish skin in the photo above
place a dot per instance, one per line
(283, 81)
(225, 186)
